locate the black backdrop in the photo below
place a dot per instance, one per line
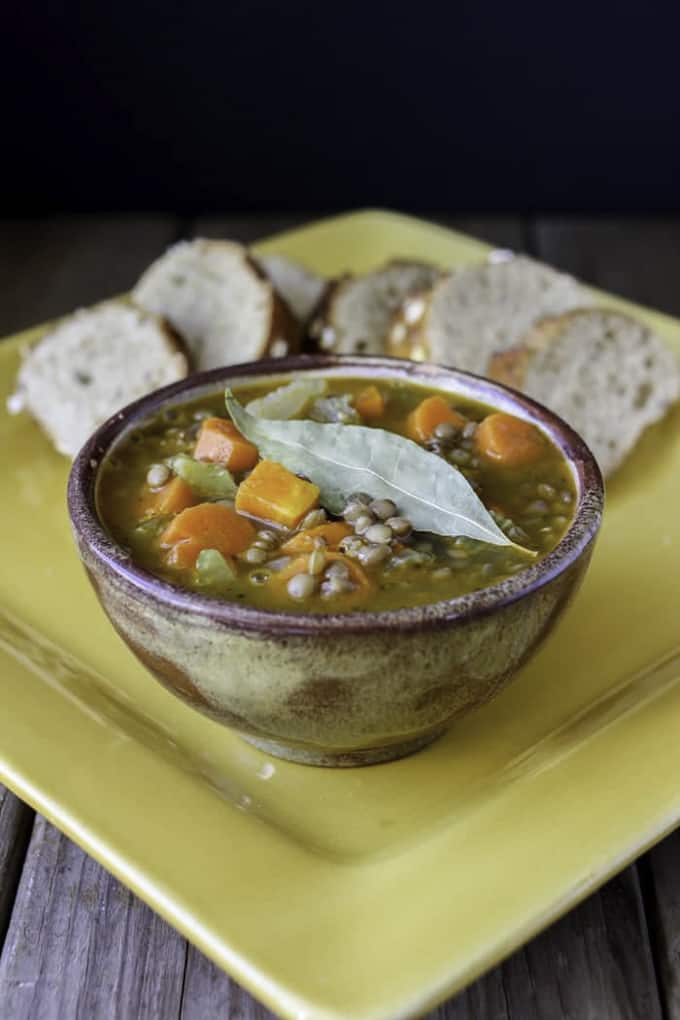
(260, 105)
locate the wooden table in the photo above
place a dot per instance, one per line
(75, 944)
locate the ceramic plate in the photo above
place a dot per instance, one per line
(370, 893)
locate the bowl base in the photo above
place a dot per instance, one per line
(345, 759)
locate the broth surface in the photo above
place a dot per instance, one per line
(532, 502)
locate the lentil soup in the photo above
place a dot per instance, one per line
(196, 503)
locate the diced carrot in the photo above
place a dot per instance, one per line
(429, 413)
(183, 554)
(370, 403)
(332, 533)
(506, 441)
(275, 494)
(220, 441)
(210, 526)
(173, 497)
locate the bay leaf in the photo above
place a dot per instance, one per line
(342, 459)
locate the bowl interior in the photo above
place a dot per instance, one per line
(586, 475)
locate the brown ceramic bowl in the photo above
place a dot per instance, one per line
(334, 689)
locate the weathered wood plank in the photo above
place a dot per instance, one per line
(80, 945)
(662, 867)
(49, 267)
(638, 259)
(594, 964)
(208, 992)
(16, 820)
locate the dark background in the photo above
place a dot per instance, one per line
(258, 105)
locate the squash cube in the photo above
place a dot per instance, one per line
(273, 493)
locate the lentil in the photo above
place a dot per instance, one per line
(538, 506)
(270, 537)
(363, 523)
(353, 511)
(301, 586)
(400, 526)
(378, 533)
(317, 561)
(255, 555)
(335, 586)
(459, 457)
(382, 508)
(445, 432)
(371, 555)
(337, 569)
(313, 519)
(157, 475)
(280, 563)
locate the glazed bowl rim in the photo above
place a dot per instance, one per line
(89, 529)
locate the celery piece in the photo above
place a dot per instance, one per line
(210, 481)
(213, 570)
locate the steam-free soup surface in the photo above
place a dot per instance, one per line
(196, 504)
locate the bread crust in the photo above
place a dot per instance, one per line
(325, 325)
(660, 381)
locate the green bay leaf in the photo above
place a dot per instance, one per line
(342, 459)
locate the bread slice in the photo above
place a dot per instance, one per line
(356, 311)
(298, 286)
(605, 373)
(219, 301)
(92, 364)
(474, 312)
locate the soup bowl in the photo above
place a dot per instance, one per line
(334, 689)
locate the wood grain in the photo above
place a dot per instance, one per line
(16, 820)
(49, 267)
(81, 945)
(638, 259)
(661, 867)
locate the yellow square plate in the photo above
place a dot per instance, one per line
(370, 893)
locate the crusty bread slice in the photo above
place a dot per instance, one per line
(221, 303)
(92, 364)
(299, 287)
(605, 373)
(356, 311)
(476, 311)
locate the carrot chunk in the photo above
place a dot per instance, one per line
(209, 526)
(429, 413)
(173, 497)
(275, 494)
(506, 441)
(220, 441)
(332, 534)
(370, 403)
